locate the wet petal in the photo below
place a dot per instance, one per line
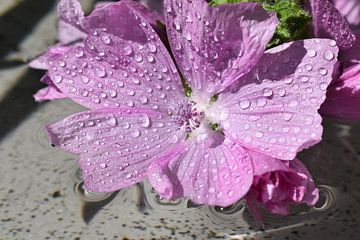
(70, 12)
(123, 63)
(213, 46)
(343, 97)
(68, 33)
(214, 175)
(273, 109)
(42, 62)
(351, 56)
(350, 9)
(114, 16)
(328, 22)
(285, 183)
(115, 146)
(48, 93)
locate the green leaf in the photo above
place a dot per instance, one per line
(294, 20)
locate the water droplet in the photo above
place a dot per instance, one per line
(62, 63)
(103, 165)
(85, 79)
(309, 89)
(125, 125)
(138, 58)
(253, 118)
(282, 92)
(267, 92)
(323, 71)
(113, 93)
(288, 80)
(58, 79)
(177, 26)
(261, 102)
(106, 39)
(79, 53)
(259, 134)
(111, 121)
(311, 53)
(150, 58)
(100, 72)
(128, 50)
(304, 78)
(323, 86)
(288, 116)
(144, 121)
(328, 55)
(135, 134)
(332, 43)
(293, 103)
(130, 103)
(244, 103)
(308, 67)
(143, 99)
(188, 36)
(152, 47)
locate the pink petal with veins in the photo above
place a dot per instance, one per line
(116, 145)
(214, 46)
(273, 109)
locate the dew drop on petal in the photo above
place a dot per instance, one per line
(323, 86)
(328, 55)
(244, 103)
(58, 79)
(128, 50)
(144, 121)
(267, 92)
(323, 71)
(311, 53)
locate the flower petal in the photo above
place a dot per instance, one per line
(214, 46)
(42, 61)
(116, 146)
(70, 11)
(48, 93)
(273, 109)
(207, 174)
(123, 63)
(263, 164)
(114, 17)
(350, 9)
(280, 184)
(343, 96)
(351, 56)
(328, 22)
(67, 33)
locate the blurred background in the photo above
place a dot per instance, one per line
(41, 193)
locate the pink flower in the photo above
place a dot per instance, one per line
(330, 23)
(278, 184)
(343, 97)
(140, 123)
(350, 9)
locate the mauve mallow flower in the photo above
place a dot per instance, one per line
(342, 100)
(350, 9)
(278, 184)
(140, 123)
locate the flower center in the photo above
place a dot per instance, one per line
(186, 114)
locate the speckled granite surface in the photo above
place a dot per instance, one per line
(41, 195)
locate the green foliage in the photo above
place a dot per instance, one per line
(294, 21)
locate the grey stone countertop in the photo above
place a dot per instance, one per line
(41, 194)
